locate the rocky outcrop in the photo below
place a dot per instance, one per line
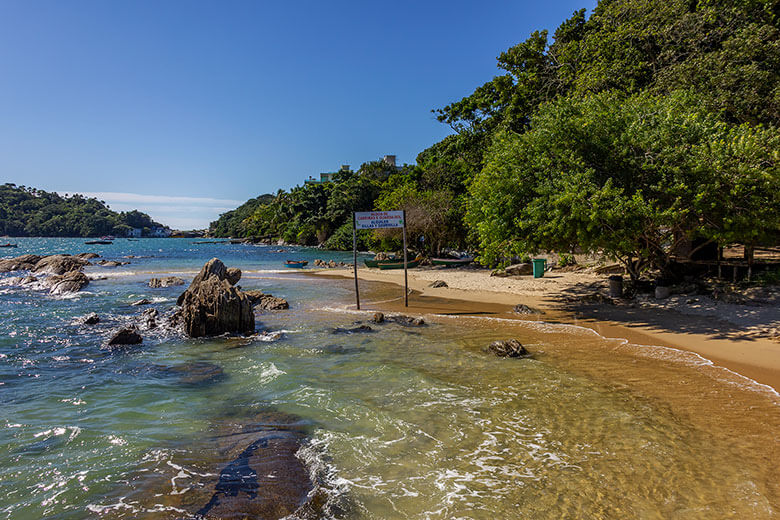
(523, 269)
(378, 317)
(401, 319)
(266, 302)
(111, 263)
(508, 348)
(72, 281)
(353, 330)
(142, 301)
(89, 319)
(233, 275)
(211, 305)
(125, 336)
(19, 263)
(87, 256)
(59, 264)
(168, 281)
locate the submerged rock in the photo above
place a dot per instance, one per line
(111, 263)
(211, 305)
(407, 321)
(125, 336)
(196, 373)
(89, 319)
(354, 330)
(508, 348)
(168, 281)
(266, 302)
(142, 301)
(87, 256)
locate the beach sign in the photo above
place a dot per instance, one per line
(379, 219)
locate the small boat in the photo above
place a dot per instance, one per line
(9, 244)
(100, 242)
(452, 262)
(398, 265)
(375, 263)
(107, 238)
(296, 263)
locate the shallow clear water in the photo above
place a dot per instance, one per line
(401, 422)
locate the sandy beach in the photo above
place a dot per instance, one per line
(742, 337)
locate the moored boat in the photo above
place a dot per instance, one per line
(452, 262)
(398, 265)
(296, 263)
(100, 242)
(8, 245)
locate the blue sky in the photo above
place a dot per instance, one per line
(185, 109)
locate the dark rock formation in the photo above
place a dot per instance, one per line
(438, 283)
(72, 281)
(353, 330)
(233, 275)
(89, 319)
(87, 256)
(19, 263)
(378, 317)
(59, 264)
(407, 321)
(149, 318)
(111, 263)
(125, 336)
(196, 373)
(508, 348)
(143, 301)
(211, 305)
(28, 280)
(266, 302)
(168, 281)
(525, 309)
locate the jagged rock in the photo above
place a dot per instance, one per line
(28, 279)
(272, 303)
(525, 309)
(407, 321)
(378, 317)
(125, 336)
(59, 264)
(212, 306)
(90, 319)
(332, 263)
(72, 281)
(87, 256)
(254, 296)
(19, 263)
(508, 348)
(143, 301)
(353, 330)
(149, 318)
(233, 275)
(438, 283)
(168, 281)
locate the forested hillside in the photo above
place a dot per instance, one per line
(31, 212)
(645, 124)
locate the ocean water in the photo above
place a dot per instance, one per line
(399, 422)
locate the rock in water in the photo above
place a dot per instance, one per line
(508, 348)
(525, 309)
(20, 263)
(89, 319)
(378, 317)
(168, 281)
(211, 305)
(125, 337)
(233, 275)
(59, 264)
(142, 301)
(72, 281)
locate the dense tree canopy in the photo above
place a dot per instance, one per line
(630, 131)
(31, 212)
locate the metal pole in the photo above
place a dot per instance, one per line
(354, 260)
(406, 278)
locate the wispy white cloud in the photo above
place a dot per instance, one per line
(138, 198)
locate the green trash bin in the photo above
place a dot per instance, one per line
(539, 265)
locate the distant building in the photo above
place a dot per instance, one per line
(326, 177)
(160, 232)
(135, 232)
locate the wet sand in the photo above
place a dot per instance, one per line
(474, 292)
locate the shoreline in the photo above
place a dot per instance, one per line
(474, 292)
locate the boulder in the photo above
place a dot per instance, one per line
(332, 264)
(125, 336)
(523, 269)
(168, 281)
(525, 309)
(111, 263)
(59, 264)
(87, 256)
(508, 348)
(272, 303)
(233, 275)
(353, 330)
(143, 301)
(211, 305)
(407, 321)
(378, 317)
(89, 319)
(19, 263)
(149, 318)
(28, 280)
(438, 283)
(72, 281)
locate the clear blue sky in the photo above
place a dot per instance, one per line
(186, 108)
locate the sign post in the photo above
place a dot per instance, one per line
(379, 220)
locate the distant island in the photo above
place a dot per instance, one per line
(26, 211)
(646, 131)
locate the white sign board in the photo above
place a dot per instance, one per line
(379, 219)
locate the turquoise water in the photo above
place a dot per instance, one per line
(400, 422)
